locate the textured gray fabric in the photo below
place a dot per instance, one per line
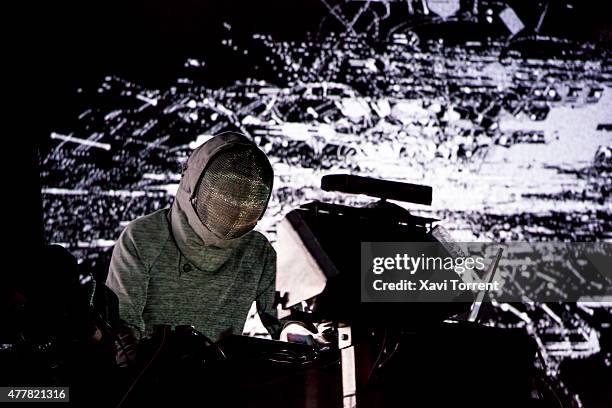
(167, 268)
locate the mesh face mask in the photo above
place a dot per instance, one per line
(233, 191)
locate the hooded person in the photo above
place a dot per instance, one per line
(200, 262)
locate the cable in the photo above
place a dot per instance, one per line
(161, 345)
(543, 377)
(382, 349)
(113, 334)
(551, 389)
(390, 356)
(212, 343)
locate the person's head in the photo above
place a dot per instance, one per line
(234, 187)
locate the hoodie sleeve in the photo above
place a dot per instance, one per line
(266, 294)
(128, 277)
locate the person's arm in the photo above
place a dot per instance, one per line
(265, 294)
(128, 277)
(279, 329)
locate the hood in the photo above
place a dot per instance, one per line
(196, 242)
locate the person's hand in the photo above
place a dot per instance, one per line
(124, 346)
(298, 332)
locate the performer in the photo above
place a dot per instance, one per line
(199, 262)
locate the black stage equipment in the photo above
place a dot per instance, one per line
(393, 354)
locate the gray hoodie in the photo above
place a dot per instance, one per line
(168, 268)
